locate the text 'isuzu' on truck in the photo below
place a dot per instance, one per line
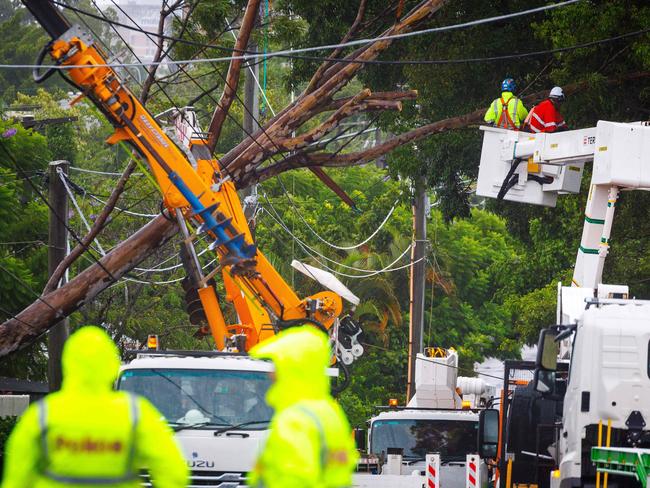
(595, 420)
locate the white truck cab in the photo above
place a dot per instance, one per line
(436, 431)
(608, 388)
(216, 405)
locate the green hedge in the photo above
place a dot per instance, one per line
(6, 426)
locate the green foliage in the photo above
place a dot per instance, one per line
(6, 426)
(491, 272)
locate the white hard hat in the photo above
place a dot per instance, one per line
(557, 92)
(193, 416)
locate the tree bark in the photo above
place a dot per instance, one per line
(232, 77)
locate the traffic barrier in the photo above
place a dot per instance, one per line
(473, 472)
(433, 470)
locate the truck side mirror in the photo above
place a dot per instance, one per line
(547, 351)
(360, 439)
(544, 382)
(488, 433)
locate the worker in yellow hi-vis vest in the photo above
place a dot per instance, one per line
(507, 111)
(87, 434)
(310, 443)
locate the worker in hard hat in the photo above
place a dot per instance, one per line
(310, 443)
(546, 116)
(507, 112)
(87, 434)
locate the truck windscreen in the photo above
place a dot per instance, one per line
(453, 439)
(204, 398)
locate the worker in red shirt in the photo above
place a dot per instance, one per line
(545, 116)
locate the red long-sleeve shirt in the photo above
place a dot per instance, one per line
(544, 117)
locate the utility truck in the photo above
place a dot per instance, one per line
(598, 432)
(214, 401)
(433, 439)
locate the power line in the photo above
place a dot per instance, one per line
(369, 61)
(292, 53)
(313, 253)
(102, 173)
(6, 312)
(26, 286)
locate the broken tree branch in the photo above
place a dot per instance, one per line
(376, 101)
(313, 135)
(232, 77)
(309, 160)
(254, 150)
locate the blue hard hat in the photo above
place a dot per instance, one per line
(508, 85)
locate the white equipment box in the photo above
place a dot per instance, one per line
(622, 155)
(550, 164)
(546, 164)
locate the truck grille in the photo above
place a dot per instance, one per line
(219, 479)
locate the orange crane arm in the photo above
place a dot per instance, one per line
(201, 196)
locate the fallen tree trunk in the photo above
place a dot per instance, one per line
(22, 329)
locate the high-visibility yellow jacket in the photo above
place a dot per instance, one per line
(310, 444)
(88, 435)
(512, 118)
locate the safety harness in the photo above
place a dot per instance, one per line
(129, 469)
(505, 120)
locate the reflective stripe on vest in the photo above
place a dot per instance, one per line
(84, 480)
(321, 435)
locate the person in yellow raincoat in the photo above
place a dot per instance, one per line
(86, 434)
(310, 444)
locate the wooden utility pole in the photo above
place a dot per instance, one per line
(58, 240)
(418, 267)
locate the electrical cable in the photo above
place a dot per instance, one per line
(334, 154)
(292, 53)
(103, 173)
(27, 287)
(79, 211)
(56, 214)
(405, 62)
(6, 312)
(313, 253)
